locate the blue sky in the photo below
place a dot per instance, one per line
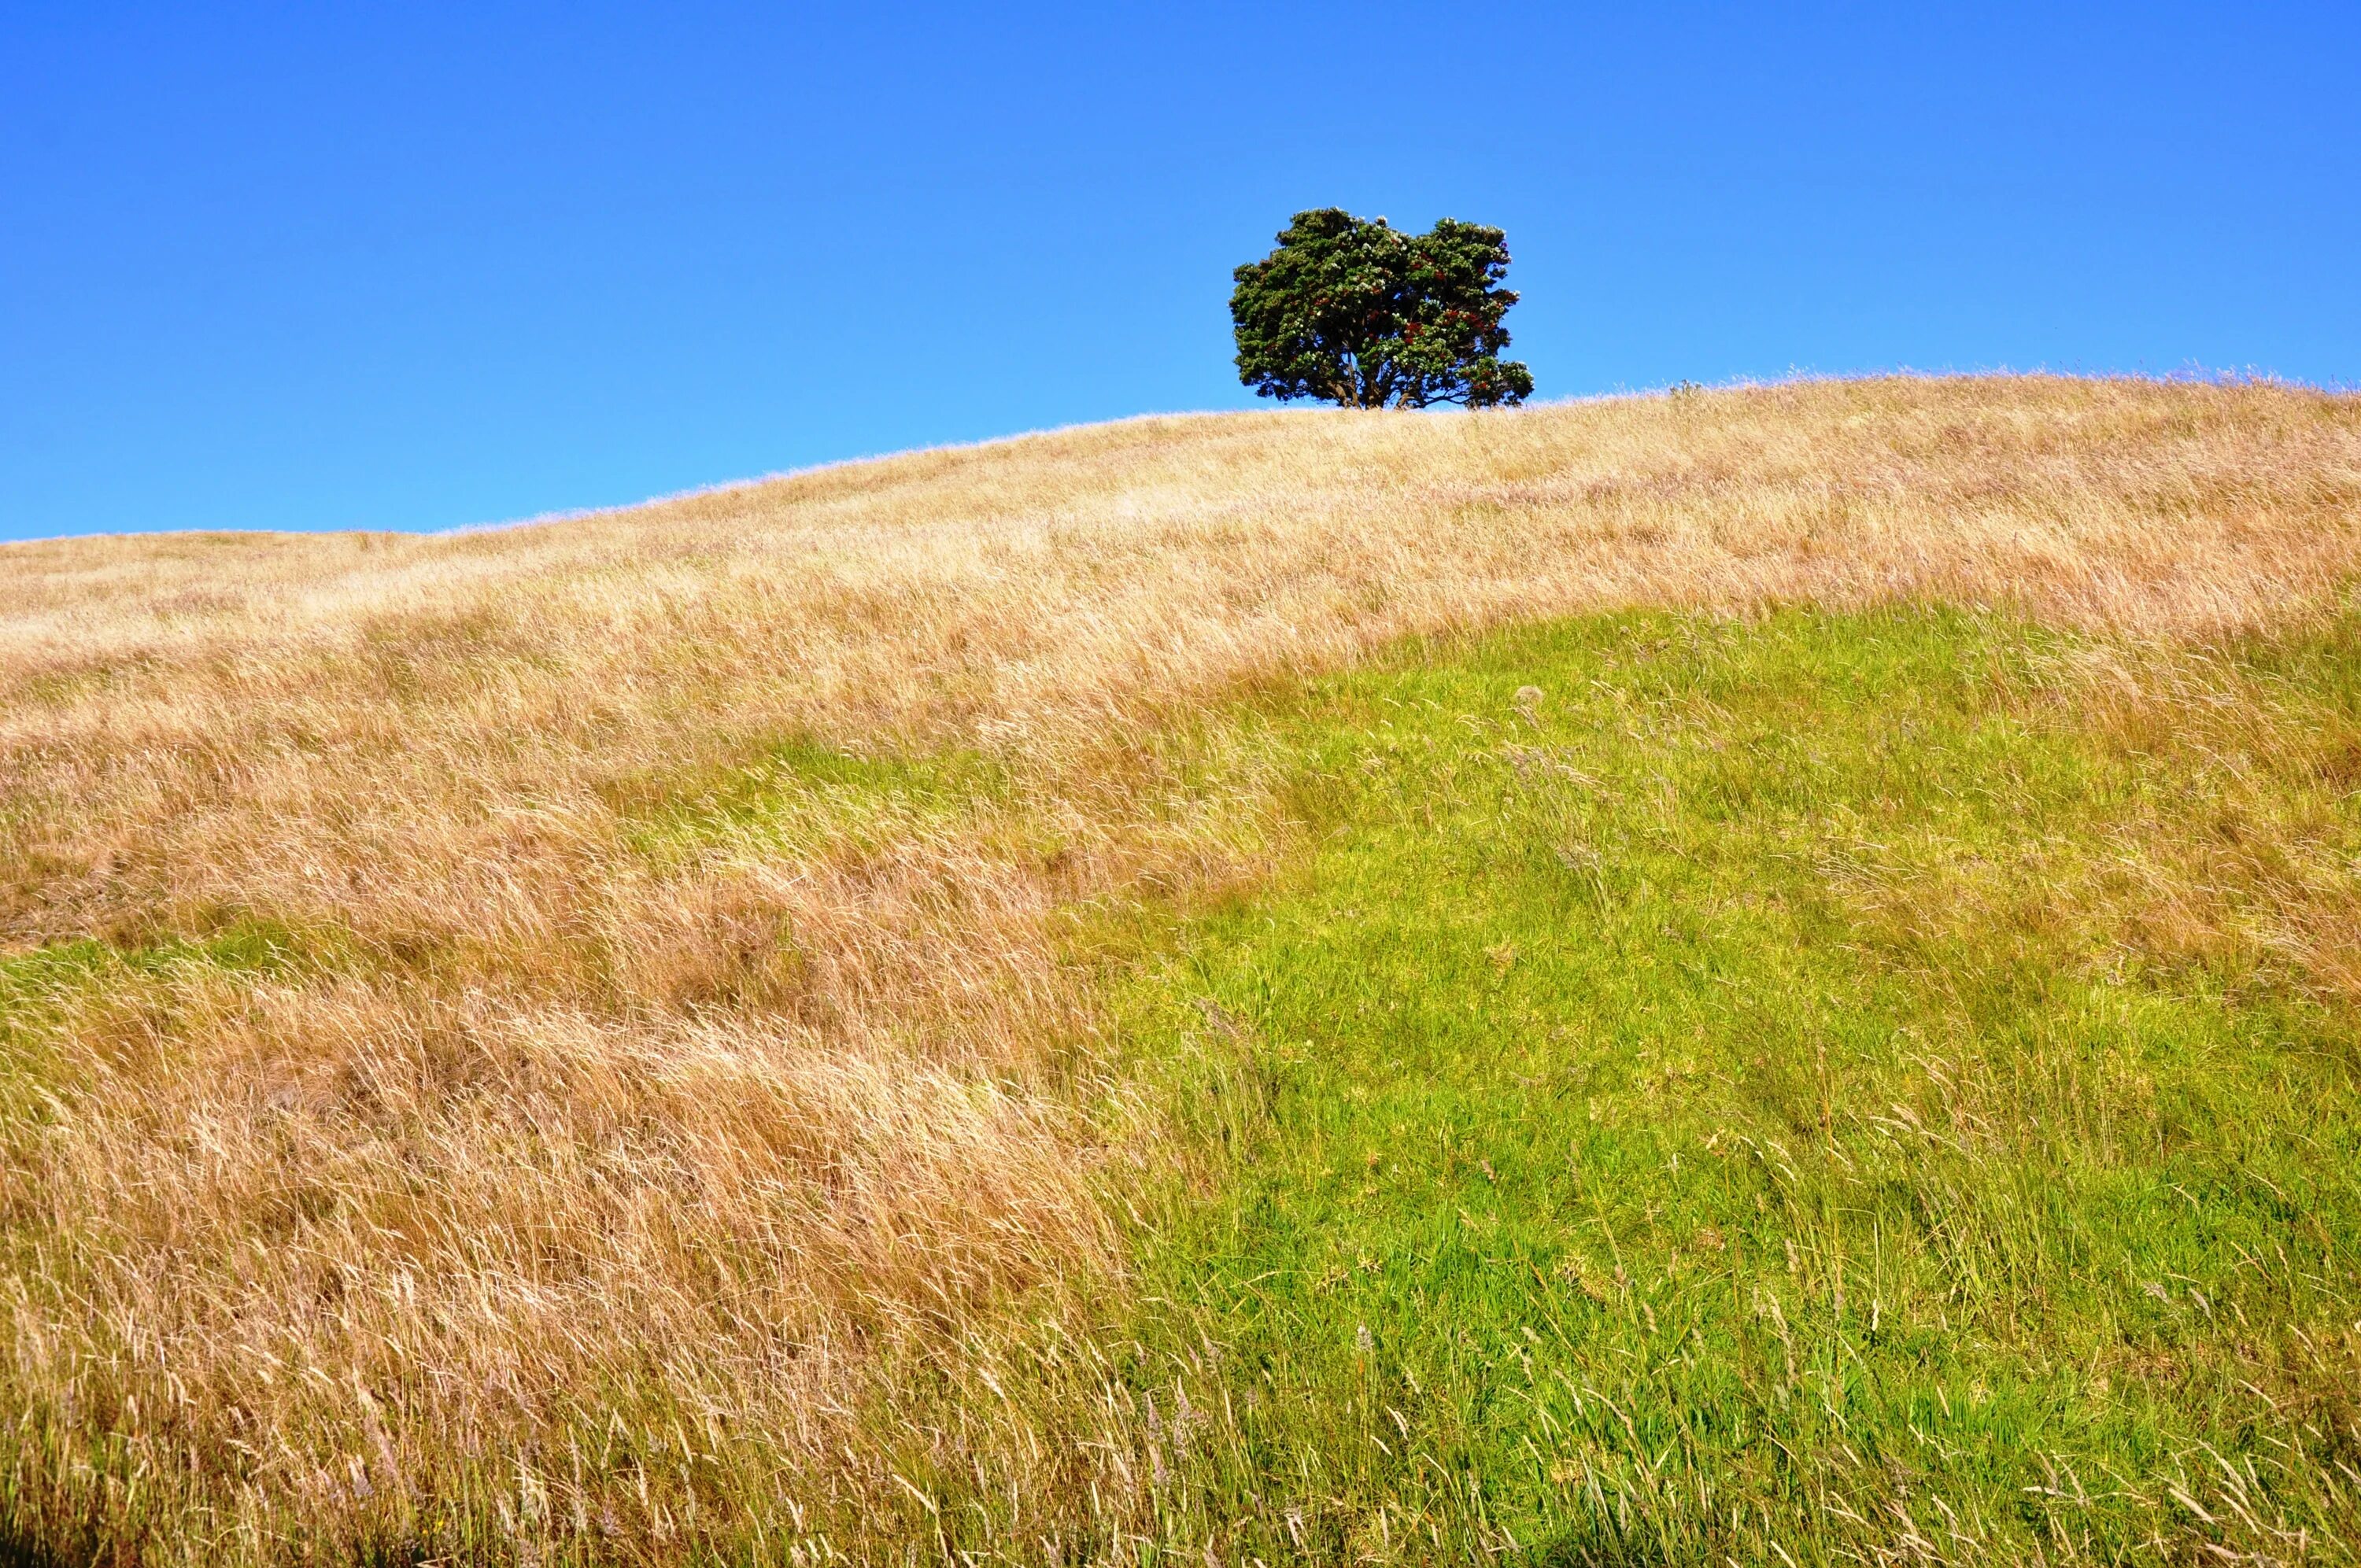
(423, 266)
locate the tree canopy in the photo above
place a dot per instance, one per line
(1361, 313)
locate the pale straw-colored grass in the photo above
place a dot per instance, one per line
(609, 1109)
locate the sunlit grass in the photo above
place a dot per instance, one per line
(693, 1032)
(1701, 1099)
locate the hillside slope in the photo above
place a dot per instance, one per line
(586, 1038)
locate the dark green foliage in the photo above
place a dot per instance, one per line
(1367, 317)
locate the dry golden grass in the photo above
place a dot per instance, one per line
(609, 1109)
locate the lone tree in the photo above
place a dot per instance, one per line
(1367, 317)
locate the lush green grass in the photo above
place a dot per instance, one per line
(1732, 1102)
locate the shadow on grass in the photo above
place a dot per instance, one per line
(1603, 1547)
(21, 1551)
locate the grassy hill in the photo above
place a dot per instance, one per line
(1758, 975)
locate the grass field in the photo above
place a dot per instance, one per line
(1758, 975)
(1747, 1097)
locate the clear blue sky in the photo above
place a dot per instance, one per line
(416, 266)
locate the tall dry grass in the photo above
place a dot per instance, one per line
(617, 1098)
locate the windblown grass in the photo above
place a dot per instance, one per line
(1763, 1094)
(676, 1077)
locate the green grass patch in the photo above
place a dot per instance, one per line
(40, 987)
(805, 796)
(35, 984)
(1706, 1095)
